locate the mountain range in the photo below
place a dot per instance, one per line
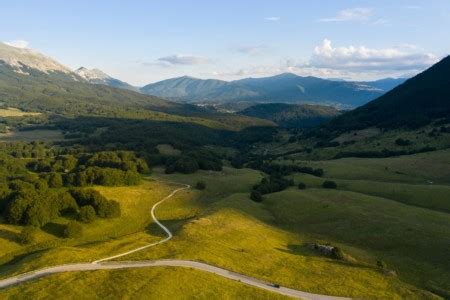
(286, 88)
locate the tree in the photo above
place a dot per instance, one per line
(27, 235)
(301, 186)
(256, 196)
(72, 230)
(200, 185)
(328, 184)
(86, 214)
(55, 180)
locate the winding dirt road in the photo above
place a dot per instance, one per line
(103, 264)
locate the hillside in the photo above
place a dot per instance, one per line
(417, 102)
(287, 88)
(31, 81)
(97, 76)
(292, 115)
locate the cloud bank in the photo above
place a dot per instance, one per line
(368, 59)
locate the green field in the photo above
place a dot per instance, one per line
(223, 227)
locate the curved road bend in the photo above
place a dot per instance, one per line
(164, 263)
(101, 264)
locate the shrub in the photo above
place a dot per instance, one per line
(301, 186)
(256, 196)
(72, 230)
(87, 214)
(381, 264)
(337, 253)
(328, 184)
(27, 235)
(200, 185)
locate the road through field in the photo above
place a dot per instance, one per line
(103, 264)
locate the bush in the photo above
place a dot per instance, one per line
(301, 186)
(72, 230)
(381, 264)
(27, 235)
(87, 214)
(337, 253)
(256, 196)
(200, 185)
(328, 184)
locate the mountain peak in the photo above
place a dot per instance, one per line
(93, 74)
(21, 58)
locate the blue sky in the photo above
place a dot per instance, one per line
(146, 41)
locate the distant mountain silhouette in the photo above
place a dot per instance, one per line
(286, 88)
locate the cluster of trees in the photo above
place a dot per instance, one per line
(102, 168)
(100, 176)
(269, 185)
(32, 203)
(123, 160)
(273, 184)
(92, 201)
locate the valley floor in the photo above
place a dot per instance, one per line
(221, 226)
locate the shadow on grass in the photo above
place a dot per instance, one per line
(9, 235)
(54, 229)
(174, 226)
(302, 250)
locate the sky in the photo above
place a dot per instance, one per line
(141, 41)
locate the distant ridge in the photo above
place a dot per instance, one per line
(284, 88)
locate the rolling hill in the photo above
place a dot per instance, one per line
(292, 115)
(417, 102)
(287, 88)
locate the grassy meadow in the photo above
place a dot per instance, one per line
(222, 226)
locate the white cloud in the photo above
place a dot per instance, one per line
(251, 50)
(184, 60)
(365, 59)
(273, 19)
(359, 14)
(18, 44)
(380, 22)
(350, 63)
(412, 7)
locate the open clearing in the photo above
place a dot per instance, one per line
(14, 112)
(45, 135)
